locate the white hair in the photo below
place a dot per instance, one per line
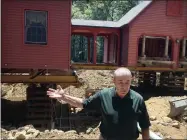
(122, 72)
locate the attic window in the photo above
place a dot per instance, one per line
(174, 7)
(35, 27)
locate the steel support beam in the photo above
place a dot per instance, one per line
(38, 79)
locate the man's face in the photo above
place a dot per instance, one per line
(122, 84)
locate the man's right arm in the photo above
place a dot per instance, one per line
(90, 103)
(74, 101)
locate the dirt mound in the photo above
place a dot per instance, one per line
(91, 79)
(13, 90)
(29, 132)
(158, 108)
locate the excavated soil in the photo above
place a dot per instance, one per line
(158, 108)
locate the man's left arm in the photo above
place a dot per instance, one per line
(144, 121)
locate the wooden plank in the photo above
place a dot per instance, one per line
(113, 67)
(38, 79)
(155, 37)
(28, 71)
(183, 63)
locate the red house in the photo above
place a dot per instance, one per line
(37, 35)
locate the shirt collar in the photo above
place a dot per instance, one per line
(115, 94)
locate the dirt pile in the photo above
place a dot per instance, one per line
(158, 108)
(166, 128)
(91, 80)
(29, 132)
(13, 90)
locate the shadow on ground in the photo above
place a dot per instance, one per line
(13, 113)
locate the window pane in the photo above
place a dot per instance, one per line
(36, 26)
(33, 30)
(43, 34)
(38, 39)
(34, 17)
(33, 38)
(43, 38)
(30, 17)
(29, 37)
(39, 30)
(41, 18)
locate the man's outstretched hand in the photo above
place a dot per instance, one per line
(60, 95)
(56, 94)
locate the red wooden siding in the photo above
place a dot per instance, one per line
(17, 54)
(124, 45)
(174, 7)
(154, 21)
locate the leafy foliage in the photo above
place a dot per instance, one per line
(111, 10)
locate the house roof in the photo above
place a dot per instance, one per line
(126, 19)
(94, 23)
(133, 13)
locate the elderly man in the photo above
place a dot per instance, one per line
(120, 106)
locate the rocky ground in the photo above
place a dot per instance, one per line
(158, 108)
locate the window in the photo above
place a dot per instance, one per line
(35, 27)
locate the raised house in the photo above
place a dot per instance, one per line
(37, 35)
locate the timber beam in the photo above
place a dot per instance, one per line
(38, 79)
(156, 63)
(93, 66)
(113, 67)
(183, 64)
(36, 72)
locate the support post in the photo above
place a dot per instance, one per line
(109, 49)
(183, 48)
(118, 49)
(175, 55)
(88, 60)
(95, 49)
(166, 47)
(105, 57)
(143, 46)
